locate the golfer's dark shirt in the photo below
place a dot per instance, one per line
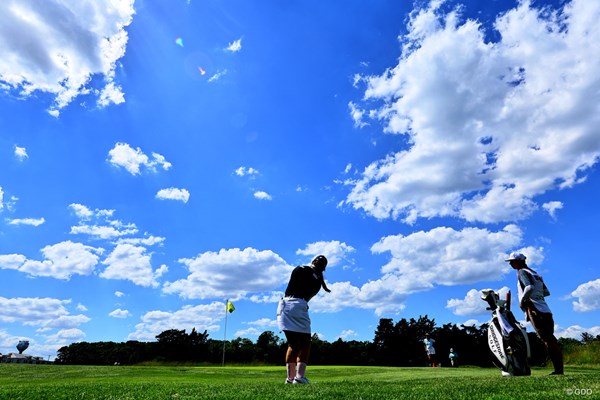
(304, 283)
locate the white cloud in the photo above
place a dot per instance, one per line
(62, 260)
(104, 227)
(202, 317)
(129, 262)
(12, 261)
(111, 94)
(357, 78)
(249, 332)
(217, 76)
(36, 311)
(270, 297)
(61, 45)
(64, 322)
(147, 241)
(444, 256)
(66, 336)
(230, 273)
(103, 232)
(81, 211)
(480, 258)
(472, 322)
(119, 294)
(385, 296)
(264, 323)
(347, 334)
(242, 171)
(472, 304)
(589, 296)
(173, 194)
(118, 313)
(422, 260)
(262, 195)
(235, 46)
(358, 115)
(41, 312)
(27, 221)
(575, 331)
(10, 205)
(335, 251)
(489, 126)
(123, 155)
(160, 160)
(21, 153)
(551, 207)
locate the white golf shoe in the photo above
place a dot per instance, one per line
(300, 381)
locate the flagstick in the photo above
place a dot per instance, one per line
(225, 332)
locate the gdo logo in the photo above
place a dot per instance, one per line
(580, 392)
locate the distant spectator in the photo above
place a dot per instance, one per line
(453, 358)
(430, 350)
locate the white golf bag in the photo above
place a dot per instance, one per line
(507, 338)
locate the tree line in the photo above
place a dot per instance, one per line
(394, 344)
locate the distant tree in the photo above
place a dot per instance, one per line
(569, 342)
(385, 342)
(133, 352)
(268, 348)
(401, 344)
(475, 350)
(318, 351)
(84, 353)
(394, 344)
(197, 343)
(362, 352)
(411, 334)
(587, 338)
(214, 351)
(174, 344)
(240, 350)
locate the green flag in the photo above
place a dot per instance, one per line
(230, 307)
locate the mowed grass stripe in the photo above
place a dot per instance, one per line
(29, 382)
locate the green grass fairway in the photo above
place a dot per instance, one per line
(35, 382)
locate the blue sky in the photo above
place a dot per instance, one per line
(157, 158)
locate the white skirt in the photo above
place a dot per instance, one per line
(292, 315)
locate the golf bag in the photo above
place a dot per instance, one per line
(507, 338)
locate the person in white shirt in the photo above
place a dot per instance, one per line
(532, 293)
(430, 350)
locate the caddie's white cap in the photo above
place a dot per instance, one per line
(516, 256)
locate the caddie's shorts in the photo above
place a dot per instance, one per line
(543, 323)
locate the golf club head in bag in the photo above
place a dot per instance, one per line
(507, 339)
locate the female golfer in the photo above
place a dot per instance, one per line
(292, 316)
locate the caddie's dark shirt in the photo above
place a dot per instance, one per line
(304, 283)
